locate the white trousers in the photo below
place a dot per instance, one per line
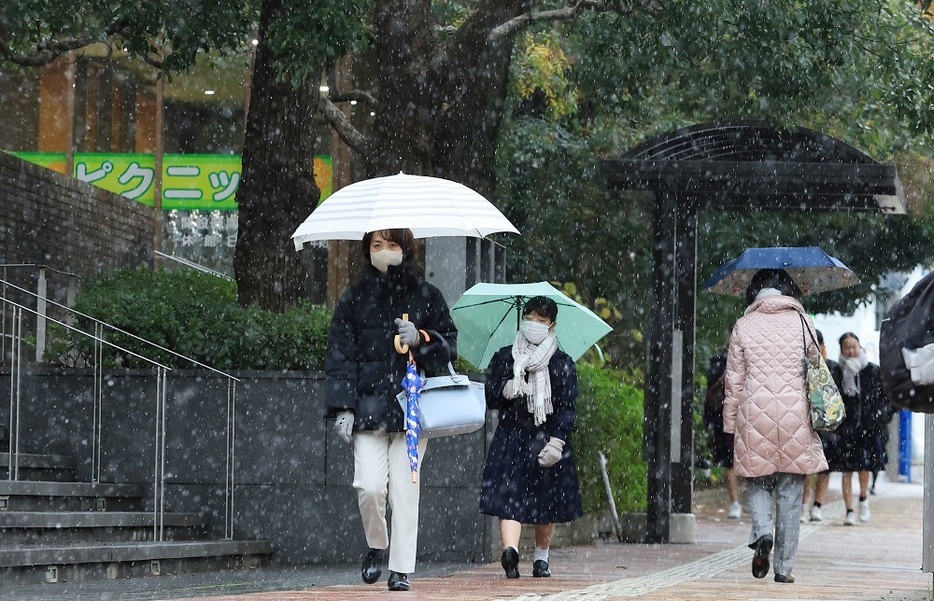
(381, 466)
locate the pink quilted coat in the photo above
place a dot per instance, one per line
(765, 405)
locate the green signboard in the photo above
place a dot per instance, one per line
(206, 182)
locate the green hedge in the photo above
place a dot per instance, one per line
(196, 315)
(609, 419)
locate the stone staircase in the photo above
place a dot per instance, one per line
(54, 529)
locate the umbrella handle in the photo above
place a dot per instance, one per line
(401, 348)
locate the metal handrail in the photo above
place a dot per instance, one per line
(42, 268)
(92, 336)
(193, 265)
(15, 398)
(160, 433)
(121, 331)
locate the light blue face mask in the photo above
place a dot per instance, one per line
(533, 331)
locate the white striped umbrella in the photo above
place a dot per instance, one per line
(429, 206)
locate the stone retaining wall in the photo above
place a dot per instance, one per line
(292, 476)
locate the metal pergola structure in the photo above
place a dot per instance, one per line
(724, 165)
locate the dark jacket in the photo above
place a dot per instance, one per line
(364, 371)
(514, 486)
(713, 400)
(858, 444)
(870, 410)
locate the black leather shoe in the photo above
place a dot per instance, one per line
(510, 562)
(398, 581)
(372, 566)
(760, 561)
(540, 569)
(784, 578)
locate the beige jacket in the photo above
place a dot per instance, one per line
(765, 405)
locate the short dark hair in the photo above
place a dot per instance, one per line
(772, 278)
(402, 237)
(542, 305)
(820, 337)
(849, 335)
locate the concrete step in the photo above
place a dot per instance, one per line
(28, 495)
(97, 561)
(56, 527)
(33, 466)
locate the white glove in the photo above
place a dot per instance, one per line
(551, 454)
(408, 333)
(510, 390)
(344, 425)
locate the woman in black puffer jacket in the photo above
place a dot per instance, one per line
(364, 375)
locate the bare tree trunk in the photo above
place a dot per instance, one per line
(278, 189)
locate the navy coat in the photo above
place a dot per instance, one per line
(858, 444)
(515, 486)
(364, 371)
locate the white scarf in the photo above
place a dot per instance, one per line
(851, 368)
(532, 360)
(766, 292)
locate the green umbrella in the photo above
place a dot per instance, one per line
(487, 318)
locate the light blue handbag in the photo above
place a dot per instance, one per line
(449, 405)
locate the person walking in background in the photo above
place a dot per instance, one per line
(721, 444)
(364, 374)
(819, 483)
(864, 429)
(530, 475)
(766, 409)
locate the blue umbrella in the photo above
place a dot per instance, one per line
(809, 267)
(412, 383)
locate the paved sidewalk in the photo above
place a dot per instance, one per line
(879, 559)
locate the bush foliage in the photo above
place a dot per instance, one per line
(609, 420)
(195, 315)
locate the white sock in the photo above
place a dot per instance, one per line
(540, 554)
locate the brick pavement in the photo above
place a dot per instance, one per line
(879, 560)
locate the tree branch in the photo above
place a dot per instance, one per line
(358, 95)
(46, 52)
(564, 14)
(341, 124)
(561, 14)
(152, 62)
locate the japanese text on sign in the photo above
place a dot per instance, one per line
(189, 181)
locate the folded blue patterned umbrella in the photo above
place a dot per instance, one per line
(412, 383)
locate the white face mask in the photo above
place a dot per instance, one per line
(382, 259)
(534, 332)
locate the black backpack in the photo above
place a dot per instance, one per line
(909, 323)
